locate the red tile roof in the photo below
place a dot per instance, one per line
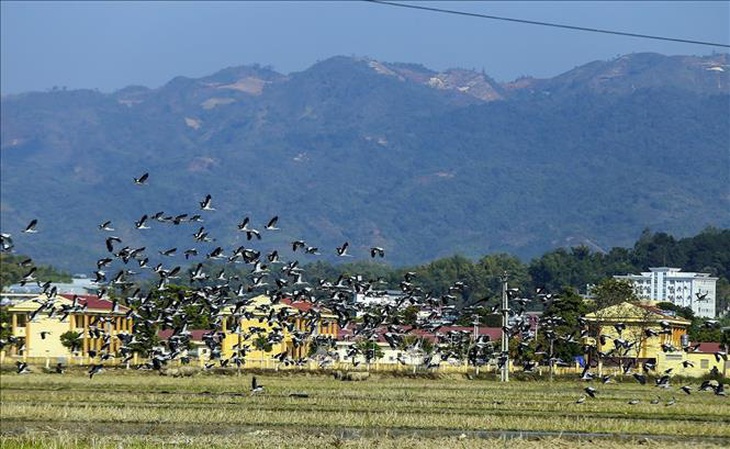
(303, 306)
(708, 347)
(195, 334)
(93, 302)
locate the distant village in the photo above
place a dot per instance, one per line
(76, 327)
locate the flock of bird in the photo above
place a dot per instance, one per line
(213, 284)
(232, 277)
(622, 351)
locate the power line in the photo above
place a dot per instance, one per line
(547, 24)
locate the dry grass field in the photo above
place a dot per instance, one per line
(132, 409)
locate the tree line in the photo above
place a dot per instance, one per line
(574, 268)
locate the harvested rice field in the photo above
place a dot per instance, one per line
(133, 409)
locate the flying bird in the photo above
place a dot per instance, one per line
(168, 252)
(6, 242)
(377, 251)
(142, 180)
(342, 250)
(296, 244)
(141, 223)
(95, 369)
(271, 225)
(22, 367)
(256, 387)
(206, 203)
(31, 228)
(190, 253)
(110, 243)
(106, 226)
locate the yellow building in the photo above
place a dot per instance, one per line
(635, 332)
(39, 322)
(699, 360)
(264, 330)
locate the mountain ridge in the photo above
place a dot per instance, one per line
(381, 154)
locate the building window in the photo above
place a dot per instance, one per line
(22, 319)
(704, 364)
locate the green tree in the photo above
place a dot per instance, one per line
(612, 291)
(560, 323)
(699, 332)
(5, 323)
(370, 350)
(11, 271)
(680, 311)
(71, 340)
(261, 343)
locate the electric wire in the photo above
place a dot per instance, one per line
(547, 24)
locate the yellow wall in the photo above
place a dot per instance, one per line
(327, 327)
(703, 363)
(51, 346)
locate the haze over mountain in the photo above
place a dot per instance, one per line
(424, 164)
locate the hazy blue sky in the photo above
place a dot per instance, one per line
(109, 45)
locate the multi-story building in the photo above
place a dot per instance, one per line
(665, 284)
(267, 329)
(38, 322)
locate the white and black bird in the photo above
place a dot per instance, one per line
(271, 225)
(377, 251)
(141, 223)
(190, 253)
(95, 369)
(142, 180)
(168, 252)
(110, 243)
(313, 250)
(256, 388)
(22, 367)
(32, 227)
(342, 250)
(202, 235)
(106, 226)
(590, 391)
(29, 276)
(206, 204)
(6, 242)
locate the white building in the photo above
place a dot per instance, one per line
(664, 284)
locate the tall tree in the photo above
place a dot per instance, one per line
(612, 291)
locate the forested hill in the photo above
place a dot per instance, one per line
(424, 164)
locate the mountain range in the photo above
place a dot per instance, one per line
(425, 164)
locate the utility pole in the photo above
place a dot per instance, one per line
(505, 338)
(475, 340)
